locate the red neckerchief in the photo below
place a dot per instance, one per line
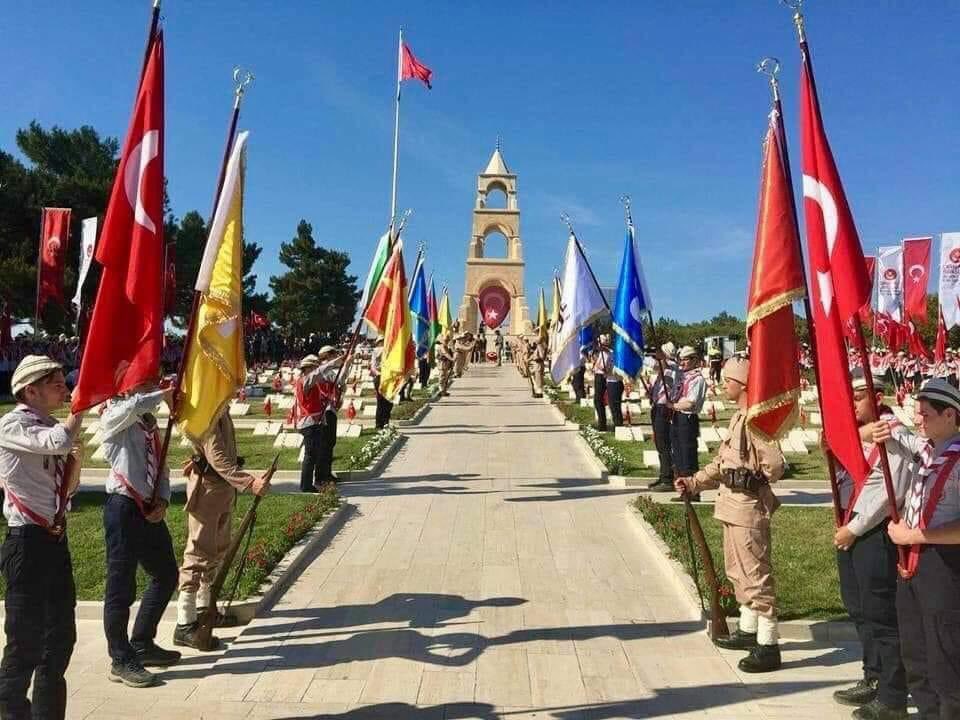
(872, 459)
(949, 458)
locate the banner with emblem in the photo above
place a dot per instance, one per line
(916, 274)
(88, 241)
(950, 278)
(54, 236)
(890, 281)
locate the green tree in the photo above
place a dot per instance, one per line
(316, 295)
(65, 168)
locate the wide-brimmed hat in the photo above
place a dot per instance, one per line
(327, 350)
(687, 352)
(31, 369)
(310, 361)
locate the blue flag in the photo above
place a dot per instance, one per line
(586, 339)
(632, 301)
(420, 310)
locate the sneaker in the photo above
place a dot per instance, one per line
(186, 636)
(737, 640)
(762, 658)
(876, 710)
(131, 674)
(863, 692)
(152, 655)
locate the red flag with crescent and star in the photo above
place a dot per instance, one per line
(916, 271)
(54, 236)
(125, 338)
(411, 68)
(839, 282)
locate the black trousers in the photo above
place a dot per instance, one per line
(423, 366)
(615, 401)
(599, 393)
(928, 611)
(40, 624)
(318, 443)
(660, 415)
(384, 406)
(578, 381)
(131, 542)
(868, 586)
(716, 370)
(684, 431)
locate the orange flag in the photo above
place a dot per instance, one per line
(389, 314)
(773, 387)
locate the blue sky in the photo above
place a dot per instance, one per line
(655, 99)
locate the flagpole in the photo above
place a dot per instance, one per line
(241, 80)
(154, 21)
(861, 341)
(36, 314)
(396, 132)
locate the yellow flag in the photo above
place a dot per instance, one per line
(215, 363)
(443, 314)
(555, 305)
(542, 323)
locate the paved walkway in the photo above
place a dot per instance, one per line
(486, 575)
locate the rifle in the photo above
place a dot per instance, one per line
(204, 634)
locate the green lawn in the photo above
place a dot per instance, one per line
(281, 521)
(804, 560)
(258, 452)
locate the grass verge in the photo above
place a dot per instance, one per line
(804, 561)
(282, 520)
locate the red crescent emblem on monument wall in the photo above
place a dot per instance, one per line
(890, 274)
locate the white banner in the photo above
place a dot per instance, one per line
(890, 281)
(950, 278)
(88, 239)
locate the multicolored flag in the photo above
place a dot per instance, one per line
(890, 282)
(54, 238)
(840, 283)
(632, 300)
(215, 366)
(435, 328)
(773, 385)
(380, 257)
(125, 338)
(949, 287)
(389, 314)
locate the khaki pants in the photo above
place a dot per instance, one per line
(746, 555)
(209, 512)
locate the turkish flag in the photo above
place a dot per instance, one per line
(839, 280)
(773, 386)
(940, 349)
(866, 312)
(915, 343)
(916, 273)
(54, 237)
(126, 330)
(411, 68)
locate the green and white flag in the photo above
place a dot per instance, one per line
(380, 258)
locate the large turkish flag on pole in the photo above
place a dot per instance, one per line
(54, 238)
(839, 280)
(126, 331)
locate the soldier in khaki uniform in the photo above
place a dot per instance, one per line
(537, 353)
(464, 346)
(743, 469)
(214, 477)
(445, 358)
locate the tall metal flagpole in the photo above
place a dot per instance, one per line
(396, 131)
(241, 79)
(770, 67)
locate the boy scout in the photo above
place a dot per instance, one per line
(40, 626)
(743, 469)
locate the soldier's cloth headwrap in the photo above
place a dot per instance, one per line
(31, 369)
(737, 368)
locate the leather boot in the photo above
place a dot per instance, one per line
(876, 710)
(186, 636)
(763, 658)
(860, 694)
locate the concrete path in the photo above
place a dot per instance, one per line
(487, 575)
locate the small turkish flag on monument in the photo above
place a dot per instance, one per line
(126, 331)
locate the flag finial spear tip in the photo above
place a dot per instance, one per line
(770, 66)
(797, 7)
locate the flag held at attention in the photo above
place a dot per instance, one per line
(840, 286)
(389, 314)
(125, 337)
(773, 385)
(632, 300)
(215, 366)
(54, 237)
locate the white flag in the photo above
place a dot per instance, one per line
(950, 278)
(88, 239)
(890, 281)
(582, 303)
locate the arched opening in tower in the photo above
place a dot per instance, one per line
(495, 245)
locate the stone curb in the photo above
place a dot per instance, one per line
(824, 631)
(278, 581)
(417, 416)
(379, 463)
